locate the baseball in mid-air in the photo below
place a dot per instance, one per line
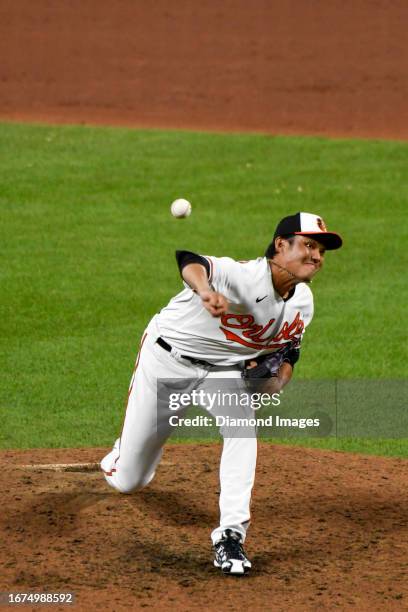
(180, 208)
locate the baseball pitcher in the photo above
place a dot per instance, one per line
(242, 322)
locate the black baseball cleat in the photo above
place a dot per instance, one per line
(229, 554)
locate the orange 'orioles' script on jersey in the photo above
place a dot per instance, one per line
(246, 323)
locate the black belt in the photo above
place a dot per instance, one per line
(168, 348)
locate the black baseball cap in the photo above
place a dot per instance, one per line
(307, 224)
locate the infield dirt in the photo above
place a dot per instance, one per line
(329, 531)
(332, 68)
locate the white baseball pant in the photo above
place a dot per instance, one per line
(133, 460)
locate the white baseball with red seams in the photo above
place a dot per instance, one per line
(258, 320)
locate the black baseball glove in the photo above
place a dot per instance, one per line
(268, 365)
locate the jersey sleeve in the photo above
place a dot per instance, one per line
(187, 257)
(306, 305)
(225, 274)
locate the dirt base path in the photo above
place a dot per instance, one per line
(329, 531)
(321, 67)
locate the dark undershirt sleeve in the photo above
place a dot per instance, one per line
(187, 257)
(292, 357)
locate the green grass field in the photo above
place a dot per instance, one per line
(88, 245)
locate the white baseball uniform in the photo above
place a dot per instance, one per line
(258, 321)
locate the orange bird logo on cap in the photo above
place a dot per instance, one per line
(321, 224)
